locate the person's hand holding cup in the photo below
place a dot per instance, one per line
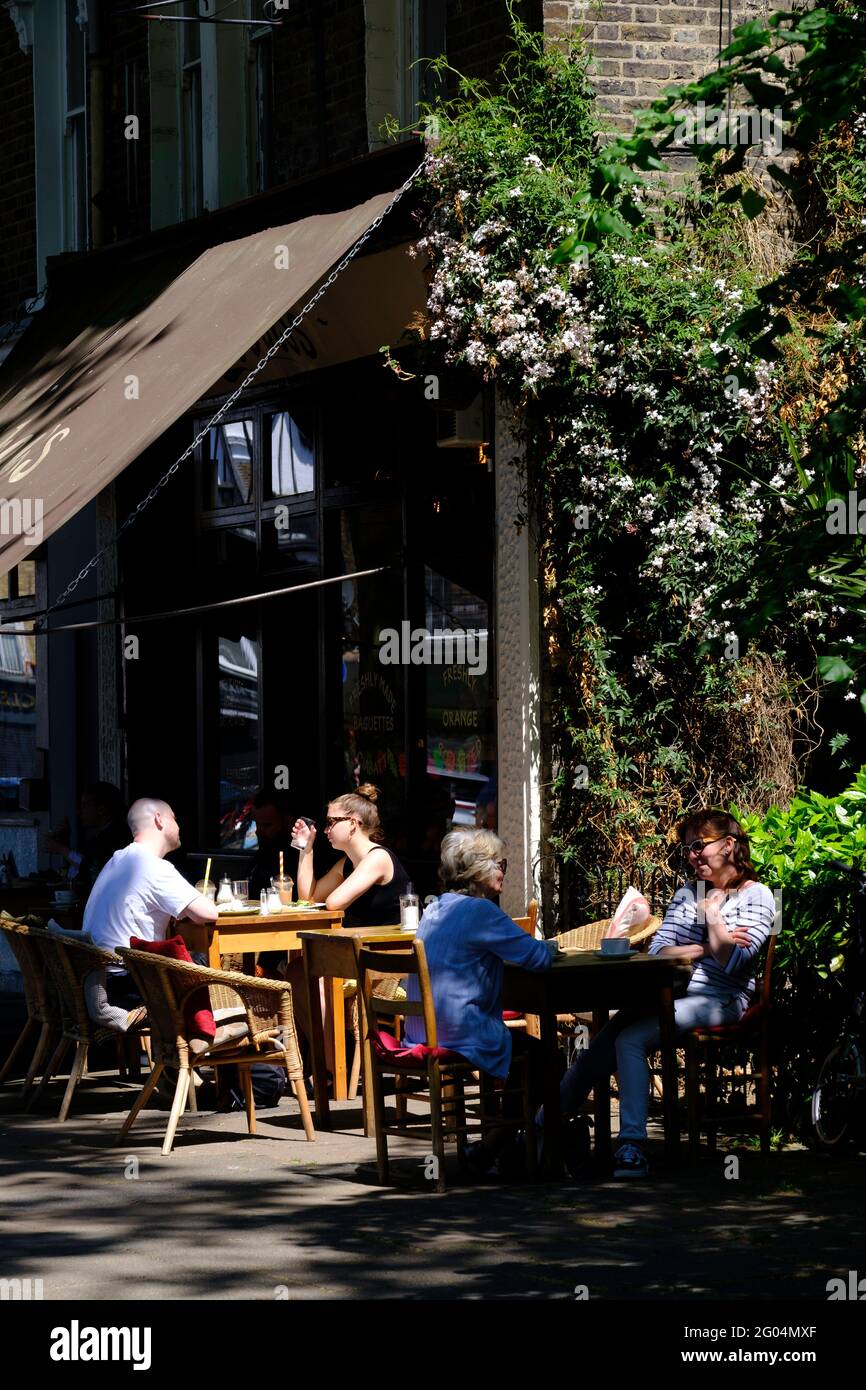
(303, 833)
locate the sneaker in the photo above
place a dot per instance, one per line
(630, 1162)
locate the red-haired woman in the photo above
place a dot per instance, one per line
(720, 918)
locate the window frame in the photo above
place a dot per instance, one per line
(76, 164)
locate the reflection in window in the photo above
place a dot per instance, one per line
(297, 538)
(292, 456)
(461, 728)
(238, 735)
(17, 712)
(229, 471)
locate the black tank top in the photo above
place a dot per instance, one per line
(379, 906)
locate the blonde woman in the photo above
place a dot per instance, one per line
(366, 882)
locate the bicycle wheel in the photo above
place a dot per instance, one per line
(840, 1082)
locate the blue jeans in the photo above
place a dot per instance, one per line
(622, 1047)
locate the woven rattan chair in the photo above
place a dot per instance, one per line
(590, 937)
(446, 1074)
(69, 963)
(264, 1032)
(40, 996)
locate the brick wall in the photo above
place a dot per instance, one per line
(643, 45)
(477, 32)
(319, 114)
(17, 175)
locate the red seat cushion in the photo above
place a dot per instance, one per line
(197, 1008)
(743, 1025)
(511, 1013)
(388, 1049)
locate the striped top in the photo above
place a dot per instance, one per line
(753, 908)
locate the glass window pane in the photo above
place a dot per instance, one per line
(17, 712)
(191, 33)
(228, 465)
(373, 702)
(461, 726)
(26, 578)
(238, 734)
(290, 539)
(76, 58)
(293, 453)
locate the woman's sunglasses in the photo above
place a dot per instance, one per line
(334, 820)
(698, 846)
(501, 864)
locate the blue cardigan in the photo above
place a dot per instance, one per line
(466, 941)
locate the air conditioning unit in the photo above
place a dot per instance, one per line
(461, 429)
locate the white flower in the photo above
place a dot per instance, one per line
(515, 192)
(533, 160)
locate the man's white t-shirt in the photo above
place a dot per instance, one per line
(136, 894)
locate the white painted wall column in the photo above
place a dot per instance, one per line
(518, 678)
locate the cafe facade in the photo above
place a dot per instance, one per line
(332, 588)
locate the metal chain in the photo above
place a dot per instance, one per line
(229, 402)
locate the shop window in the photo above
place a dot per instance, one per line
(17, 683)
(229, 465)
(373, 693)
(238, 734)
(292, 453)
(461, 716)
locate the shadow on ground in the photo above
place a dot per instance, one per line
(232, 1216)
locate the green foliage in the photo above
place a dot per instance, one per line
(797, 850)
(817, 59)
(643, 418)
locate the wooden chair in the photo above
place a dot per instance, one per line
(69, 963)
(512, 1019)
(711, 1050)
(262, 1031)
(441, 1069)
(40, 996)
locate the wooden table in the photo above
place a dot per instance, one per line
(331, 956)
(583, 982)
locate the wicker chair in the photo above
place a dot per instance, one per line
(590, 937)
(68, 963)
(264, 1032)
(40, 996)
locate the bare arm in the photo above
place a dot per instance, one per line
(376, 868)
(201, 910)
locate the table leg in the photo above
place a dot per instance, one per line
(667, 1043)
(366, 1072)
(552, 1165)
(213, 952)
(337, 1002)
(316, 1041)
(601, 1097)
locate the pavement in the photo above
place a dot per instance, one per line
(227, 1215)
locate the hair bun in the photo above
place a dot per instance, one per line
(367, 790)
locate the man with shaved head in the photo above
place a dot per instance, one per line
(138, 892)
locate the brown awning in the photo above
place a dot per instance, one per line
(105, 369)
